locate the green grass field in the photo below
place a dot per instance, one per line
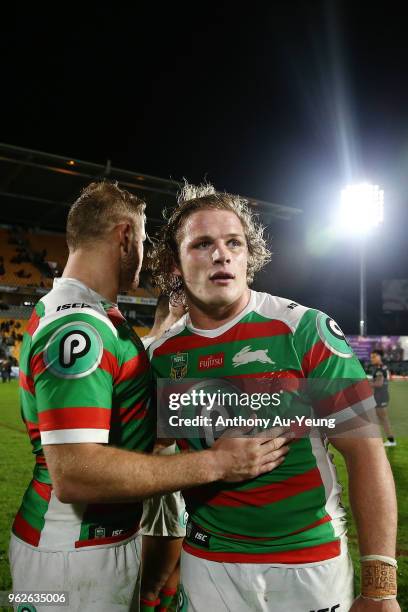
(17, 463)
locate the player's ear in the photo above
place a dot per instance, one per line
(176, 269)
(124, 230)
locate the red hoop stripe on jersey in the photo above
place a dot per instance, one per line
(25, 531)
(150, 603)
(115, 316)
(269, 493)
(33, 430)
(355, 393)
(109, 363)
(241, 331)
(44, 490)
(183, 444)
(168, 591)
(137, 411)
(74, 418)
(33, 323)
(26, 382)
(37, 364)
(310, 554)
(136, 366)
(278, 374)
(315, 356)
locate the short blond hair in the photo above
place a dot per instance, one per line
(164, 253)
(98, 209)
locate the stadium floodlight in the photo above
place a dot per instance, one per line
(361, 210)
(361, 207)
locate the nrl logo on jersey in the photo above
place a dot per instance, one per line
(179, 364)
(246, 355)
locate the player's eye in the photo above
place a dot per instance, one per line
(202, 244)
(235, 242)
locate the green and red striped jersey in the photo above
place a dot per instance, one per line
(293, 514)
(84, 378)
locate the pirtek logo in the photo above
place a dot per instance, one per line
(211, 361)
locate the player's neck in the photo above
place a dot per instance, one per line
(160, 327)
(208, 316)
(91, 269)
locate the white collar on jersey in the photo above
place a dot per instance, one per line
(218, 331)
(66, 280)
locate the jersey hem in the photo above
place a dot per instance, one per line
(311, 555)
(119, 542)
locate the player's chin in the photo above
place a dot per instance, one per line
(222, 296)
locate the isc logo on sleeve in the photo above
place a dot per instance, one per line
(74, 350)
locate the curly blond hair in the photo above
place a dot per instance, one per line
(165, 254)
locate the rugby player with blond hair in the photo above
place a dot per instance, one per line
(277, 542)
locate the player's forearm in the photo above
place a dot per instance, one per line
(160, 556)
(372, 496)
(93, 473)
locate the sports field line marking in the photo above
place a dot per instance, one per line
(17, 429)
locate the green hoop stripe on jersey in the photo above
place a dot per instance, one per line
(332, 336)
(107, 400)
(74, 350)
(294, 511)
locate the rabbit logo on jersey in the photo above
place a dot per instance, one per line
(74, 350)
(246, 355)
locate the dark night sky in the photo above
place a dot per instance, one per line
(284, 101)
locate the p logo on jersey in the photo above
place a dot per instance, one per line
(74, 350)
(332, 336)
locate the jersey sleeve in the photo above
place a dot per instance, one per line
(338, 385)
(72, 364)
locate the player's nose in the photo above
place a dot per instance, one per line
(221, 254)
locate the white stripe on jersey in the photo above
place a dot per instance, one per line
(72, 436)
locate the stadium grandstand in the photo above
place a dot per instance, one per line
(36, 191)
